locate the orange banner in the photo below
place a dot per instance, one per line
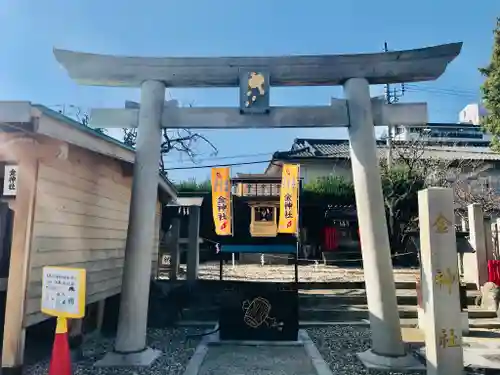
(289, 199)
(221, 201)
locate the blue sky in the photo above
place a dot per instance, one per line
(30, 29)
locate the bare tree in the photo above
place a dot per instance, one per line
(401, 182)
(415, 167)
(84, 119)
(80, 115)
(129, 136)
(468, 190)
(182, 140)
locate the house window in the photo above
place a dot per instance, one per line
(484, 183)
(399, 130)
(278, 187)
(263, 189)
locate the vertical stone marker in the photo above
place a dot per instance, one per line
(440, 280)
(476, 264)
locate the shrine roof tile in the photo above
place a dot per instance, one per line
(339, 149)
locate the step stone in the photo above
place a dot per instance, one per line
(333, 300)
(411, 323)
(338, 314)
(336, 301)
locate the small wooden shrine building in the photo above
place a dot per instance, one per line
(326, 225)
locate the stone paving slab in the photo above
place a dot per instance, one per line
(300, 357)
(257, 360)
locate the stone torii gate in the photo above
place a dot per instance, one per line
(358, 112)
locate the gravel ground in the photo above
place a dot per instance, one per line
(315, 273)
(176, 348)
(339, 344)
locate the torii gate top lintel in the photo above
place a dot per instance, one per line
(322, 70)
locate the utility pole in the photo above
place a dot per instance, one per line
(391, 96)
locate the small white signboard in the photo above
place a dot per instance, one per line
(63, 292)
(10, 180)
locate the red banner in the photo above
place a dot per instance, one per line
(330, 238)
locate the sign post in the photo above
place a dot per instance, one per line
(63, 296)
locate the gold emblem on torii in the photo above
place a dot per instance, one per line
(256, 88)
(442, 224)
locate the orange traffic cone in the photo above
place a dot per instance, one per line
(60, 362)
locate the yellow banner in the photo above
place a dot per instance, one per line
(221, 201)
(289, 210)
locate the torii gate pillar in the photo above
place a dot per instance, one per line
(376, 251)
(130, 345)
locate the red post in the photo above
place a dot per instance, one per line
(60, 362)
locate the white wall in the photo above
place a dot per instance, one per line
(311, 171)
(472, 114)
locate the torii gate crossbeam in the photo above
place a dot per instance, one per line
(334, 115)
(354, 72)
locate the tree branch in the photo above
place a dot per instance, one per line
(183, 141)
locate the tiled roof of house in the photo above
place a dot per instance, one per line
(339, 149)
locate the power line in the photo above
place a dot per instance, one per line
(443, 94)
(450, 89)
(228, 157)
(218, 165)
(442, 91)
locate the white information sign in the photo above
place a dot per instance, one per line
(10, 178)
(63, 292)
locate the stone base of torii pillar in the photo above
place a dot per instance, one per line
(373, 361)
(143, 358)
